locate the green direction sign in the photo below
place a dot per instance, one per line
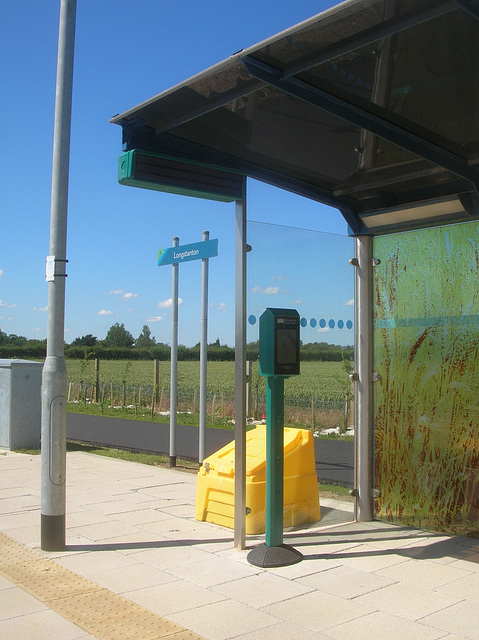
(187, 252)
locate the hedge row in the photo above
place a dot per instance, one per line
(162, 352)
(38, 352)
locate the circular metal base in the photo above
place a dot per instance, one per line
(279, 556)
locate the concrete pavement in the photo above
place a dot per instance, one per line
(138, 566)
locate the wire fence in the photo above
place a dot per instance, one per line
(309, 411)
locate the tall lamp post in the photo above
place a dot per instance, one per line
(53, 464)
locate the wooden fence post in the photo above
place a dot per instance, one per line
(96, 392)
(156, 377)
(213, 406)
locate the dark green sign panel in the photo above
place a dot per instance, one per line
(279, 342)
(172, 175)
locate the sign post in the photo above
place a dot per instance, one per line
(175, 255)
(174, 357)
(278, 359)
(203, 353)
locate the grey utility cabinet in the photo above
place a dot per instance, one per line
(20, 404)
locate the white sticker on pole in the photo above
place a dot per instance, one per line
(50, 273)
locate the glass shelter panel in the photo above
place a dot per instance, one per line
(426, 350)
(307, 271)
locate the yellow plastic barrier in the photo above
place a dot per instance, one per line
(215, 486)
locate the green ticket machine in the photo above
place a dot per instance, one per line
(278, 359)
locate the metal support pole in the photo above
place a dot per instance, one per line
(54, 384)
(249, 379)
(240, 376)
(274, 460)
(273, 553)
(203, 352)
(363, 345)
(174, 356)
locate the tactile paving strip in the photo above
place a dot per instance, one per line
(104, 614)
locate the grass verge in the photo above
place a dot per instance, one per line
(130, 413)
(184, 418)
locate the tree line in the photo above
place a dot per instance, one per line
(119, 344)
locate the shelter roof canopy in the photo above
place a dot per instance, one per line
(371, 107)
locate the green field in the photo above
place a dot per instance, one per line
(324, 382)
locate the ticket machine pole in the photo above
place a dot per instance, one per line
(278, 359)
(274, 460)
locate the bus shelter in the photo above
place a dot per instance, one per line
(371, 107)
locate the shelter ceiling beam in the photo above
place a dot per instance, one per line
(136, 136)
(211, 105)
(393, 199)
(364, 119)
(386, 29)
(471, 6)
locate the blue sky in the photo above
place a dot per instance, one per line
(125, 52)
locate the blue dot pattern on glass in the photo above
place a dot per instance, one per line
(340, 324)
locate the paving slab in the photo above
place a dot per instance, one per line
(214, 571)
(173, 597)
(44, 625)
(429, 575)
(383, 626)
(262, 589)
(132, 534)
(461, 619)
(466, 587)
(345, 582)
(225, 619)
(319, 610)
(407, 601)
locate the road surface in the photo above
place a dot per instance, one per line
(334, 459)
